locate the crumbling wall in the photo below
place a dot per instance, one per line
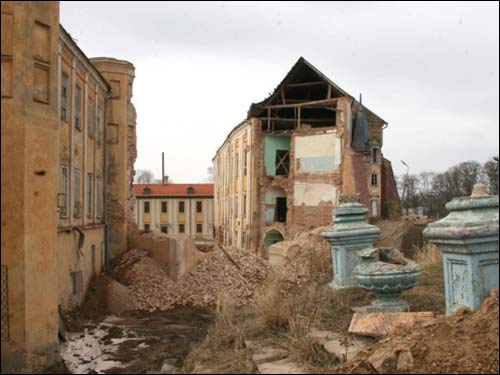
(391, 204)
(131, 157)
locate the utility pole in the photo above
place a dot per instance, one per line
(405, 186)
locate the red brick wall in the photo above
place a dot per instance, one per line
(391, 204)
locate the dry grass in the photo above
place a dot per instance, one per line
(428, 295)
(283, 313)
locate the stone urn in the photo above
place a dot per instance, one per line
(387, 273)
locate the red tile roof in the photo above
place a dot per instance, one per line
(174, 190)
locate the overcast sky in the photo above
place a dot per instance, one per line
(430, 70)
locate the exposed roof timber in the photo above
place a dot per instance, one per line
(297, 66)
(314, 103)
(294, 119)
(303, 84)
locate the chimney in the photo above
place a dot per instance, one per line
(164, 179)
(163, 167)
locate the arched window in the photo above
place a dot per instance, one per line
(190, 190)
(146, 190)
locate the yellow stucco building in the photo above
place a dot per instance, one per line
(68, 148)
(185, 209)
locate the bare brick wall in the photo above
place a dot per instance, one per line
(391, 204)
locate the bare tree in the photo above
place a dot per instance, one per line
(490, 175)
(144, 176)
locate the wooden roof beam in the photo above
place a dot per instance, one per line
(304, 84)
(314, 103)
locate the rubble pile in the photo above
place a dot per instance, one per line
(313, 262)
(216, 276)
(466, 342)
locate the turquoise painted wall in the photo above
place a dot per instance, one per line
(271, 144)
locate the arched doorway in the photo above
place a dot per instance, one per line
(271, 237)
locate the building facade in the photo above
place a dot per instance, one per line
(282, 170)
(57, 176)
(186, 209)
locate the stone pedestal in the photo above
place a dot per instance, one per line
(349, 234)
(468, 238)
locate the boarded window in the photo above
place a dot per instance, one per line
(98, 192)
(181, 206)
(163, 207)
(98, 134)
(146, 207)
(76, 192)
(64, 97)
(90, 117)
(282, 162)
(63, 191)
(78, 106)
(90, 183)
(199, 207)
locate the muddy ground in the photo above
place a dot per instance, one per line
(135, 342)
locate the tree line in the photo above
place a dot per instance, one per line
(432, 190)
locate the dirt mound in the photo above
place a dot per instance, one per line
(466, 342)
(404, 235)
(313, 262)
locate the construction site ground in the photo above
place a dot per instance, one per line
(233, 313)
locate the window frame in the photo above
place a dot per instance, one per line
(164, 205)
(76, 193)
(90, 116)
(63, 190)
(89, 195)
(64, 97)
(78, 107)
(148, 205)
(182, 207)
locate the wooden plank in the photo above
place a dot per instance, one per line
(284, 119)
(298, 118)
(313, 103)
(329, 93)
(283, 96)
(304, 84)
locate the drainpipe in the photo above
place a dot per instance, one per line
(107, 104)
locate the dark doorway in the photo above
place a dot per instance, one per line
(281, 209)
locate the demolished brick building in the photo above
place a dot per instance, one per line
(282, 170)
